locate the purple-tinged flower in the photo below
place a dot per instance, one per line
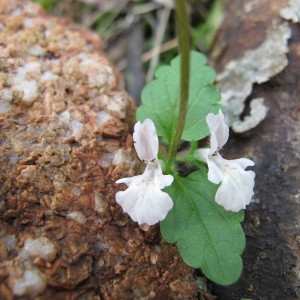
(143, 200)
(236, 189)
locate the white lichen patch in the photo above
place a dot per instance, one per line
(256, 66)
(10, 242)
(28, 22)
(76, 191)
(30, 8)
(100, 204)
(5, 100)
(291, 12)
(117, 104)
(25, 84)
(75, 127)
(121, 157)
(36, 50)
(258, 112)
(77, 216)
(48, 76)
(115, 158)
(106, 159)
(31, 284)
(102, 118)
(99, 75)
(41, 247)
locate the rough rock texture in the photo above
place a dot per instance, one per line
(64, 140)
(272, 222)
(264, 55)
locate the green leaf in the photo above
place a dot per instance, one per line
(160, 99)
(207, 236)
(204, 33)
(48, 5)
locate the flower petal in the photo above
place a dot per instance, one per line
(219, 131)
(146, 140)
(202, 154)
(143, 200)
(214, 173)
(236, 189)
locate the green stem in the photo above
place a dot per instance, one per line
(184, 50)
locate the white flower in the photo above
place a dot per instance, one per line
(143, 200)
(236, 189)
(146, 140)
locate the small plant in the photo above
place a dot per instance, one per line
(202, 211)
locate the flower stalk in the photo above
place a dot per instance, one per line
(184, 50)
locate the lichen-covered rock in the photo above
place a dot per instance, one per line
(65, 139)
(251, 52)
(272, 221)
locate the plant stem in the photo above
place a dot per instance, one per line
(184, 51)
